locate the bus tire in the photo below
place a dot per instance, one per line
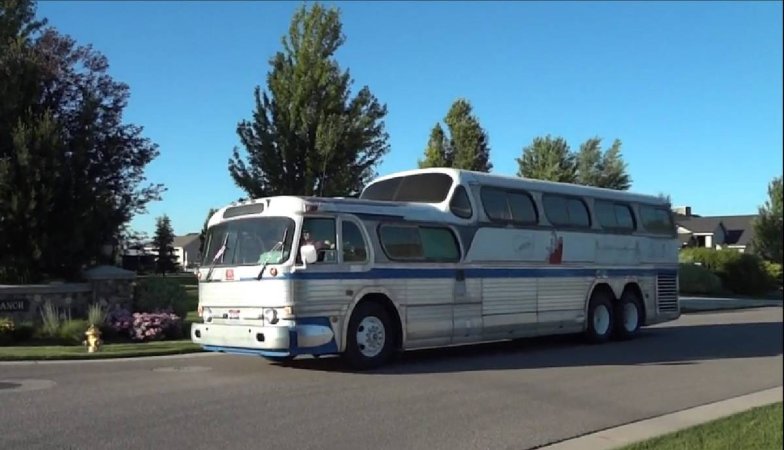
(600, 318)
(629, 316)
(370, 338)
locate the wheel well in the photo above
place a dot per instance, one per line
(385, 302)
(634, 288)
(603, 288)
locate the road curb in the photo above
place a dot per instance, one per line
(642, 430)
(197, 354)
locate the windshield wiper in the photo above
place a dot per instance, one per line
(217, 255)
(274, 248)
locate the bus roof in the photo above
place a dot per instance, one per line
(435, 212)
(467, 177)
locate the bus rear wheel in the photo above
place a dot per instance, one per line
(601, 318)
(629, 314)
(370, 338)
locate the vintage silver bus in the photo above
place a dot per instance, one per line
(430, 258)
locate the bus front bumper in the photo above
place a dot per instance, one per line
(313, 336)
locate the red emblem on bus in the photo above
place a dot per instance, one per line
(229, 274)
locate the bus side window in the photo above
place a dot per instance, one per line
(320, 232)
(353, 245)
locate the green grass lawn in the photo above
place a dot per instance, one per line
(759, 428)
(107, 351)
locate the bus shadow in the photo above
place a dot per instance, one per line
(678, 345)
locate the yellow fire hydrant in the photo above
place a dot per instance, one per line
(93, 341)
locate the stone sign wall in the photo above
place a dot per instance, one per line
(109, 286)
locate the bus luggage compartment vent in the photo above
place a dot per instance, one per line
(667, 293)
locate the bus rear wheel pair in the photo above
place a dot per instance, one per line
(609, 318)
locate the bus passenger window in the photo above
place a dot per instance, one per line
(401, 242)
(523, 208)
(353, 245)
(496, 207)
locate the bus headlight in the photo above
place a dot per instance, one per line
(271, 316)
(206, 315)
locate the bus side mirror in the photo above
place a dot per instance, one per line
(308, 254)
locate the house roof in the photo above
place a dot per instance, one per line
(739, 230)
(700, 224)
(184, 241)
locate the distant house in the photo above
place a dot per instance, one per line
(186, 249)
(735, 232)
(186, 253)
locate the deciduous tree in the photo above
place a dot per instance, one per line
(71, 170)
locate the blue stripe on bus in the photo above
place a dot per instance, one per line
(420, 273)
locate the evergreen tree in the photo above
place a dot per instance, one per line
(307, 136)
(468, 141)
(467, 146)
(548, 159)
(163, 243)
(606, 170)
(769, 225)
(437, 153)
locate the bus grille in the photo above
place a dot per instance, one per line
(667, 293)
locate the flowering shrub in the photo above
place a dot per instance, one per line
(154, 326)
(144, 326)
(120, 321)
(6, 325)
(6, 330)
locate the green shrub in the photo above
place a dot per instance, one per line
(50, 317)
(72, 331)
(740, 273)
(96, 315)
(160, 294)
(694, 279)
(23, 332)
(775, 273)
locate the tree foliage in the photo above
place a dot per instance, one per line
(602, 169)
(71, 171)
(438, 153)
(550, 158)
(467, 145)
(307, 135)
(163, 243)
(769, 224)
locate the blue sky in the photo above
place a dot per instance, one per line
(693, 90)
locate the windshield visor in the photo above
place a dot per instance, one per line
(251, 241)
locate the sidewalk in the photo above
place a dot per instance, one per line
(697, 304)
(669, 423)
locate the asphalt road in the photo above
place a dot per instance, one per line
(513, 395)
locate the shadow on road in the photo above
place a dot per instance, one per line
(680, 345)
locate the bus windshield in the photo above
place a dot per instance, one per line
(250, 241)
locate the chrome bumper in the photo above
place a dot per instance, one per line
(273, 338)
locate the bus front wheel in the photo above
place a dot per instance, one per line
(370, 338)
(600, 318)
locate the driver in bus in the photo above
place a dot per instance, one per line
(319, 245)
